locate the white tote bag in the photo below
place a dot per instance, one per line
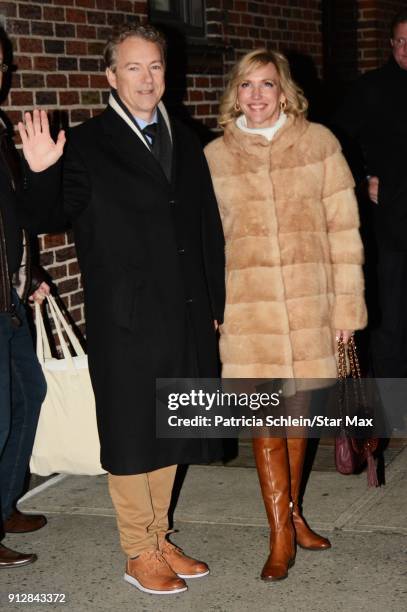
(67, 440)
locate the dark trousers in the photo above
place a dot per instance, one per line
(22, 391)
(388, 340)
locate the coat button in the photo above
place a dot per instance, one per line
(172, 202)
(181, 251)
(189, 300)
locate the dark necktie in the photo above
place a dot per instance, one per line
(150, 131)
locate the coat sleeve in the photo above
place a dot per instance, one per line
(345, 244)
(39, 199)
(76, 182)
(213, 245)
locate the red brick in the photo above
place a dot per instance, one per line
(98, 81)
(47, 259)
(78, 80)
(53, 240)
(48, 64)
(64, 254)
(86, 3)
(68, 98)
(18, 26)
(30, 45)
(54, 13)
(66, 286)
(30, 11)
(96, 48)
(76, 47)
(56, 80)
(124, 6)
(42, 28)
(32, 80)
(76, 299)
(75, 16)
(23, 62)
(195, 95)
(86, 31)
(22, 98)
(73, 268)
(96, 17)
(57, 272)
(104, 4)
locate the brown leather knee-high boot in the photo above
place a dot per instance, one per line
(274, 476)
(306, 538)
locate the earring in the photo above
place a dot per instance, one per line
(283, 105)
(237, 106)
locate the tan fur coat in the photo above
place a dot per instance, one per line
(293, 250)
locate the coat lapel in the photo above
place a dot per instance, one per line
(129, 147)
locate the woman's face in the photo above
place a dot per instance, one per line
(259, 96)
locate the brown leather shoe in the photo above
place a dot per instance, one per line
(274, 476)
(305, 536)
(23, 523)
(11, 558)
(184, 566)
(150, 573)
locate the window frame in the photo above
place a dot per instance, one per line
(178, 18)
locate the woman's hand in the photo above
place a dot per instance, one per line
(40, 294)
(345, 334)
(39, 149)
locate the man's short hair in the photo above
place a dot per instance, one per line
(144, 31)
(400, 17)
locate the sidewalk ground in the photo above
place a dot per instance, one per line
(220, 518)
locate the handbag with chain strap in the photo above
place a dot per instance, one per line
(351, 453)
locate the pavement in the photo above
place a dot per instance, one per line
(220, 518)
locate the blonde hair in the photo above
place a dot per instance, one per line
(296, 102)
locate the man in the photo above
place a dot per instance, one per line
(22, 385)
(375, 115)
(150, 246)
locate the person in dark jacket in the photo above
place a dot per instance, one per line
(374, 115)
(23, 204)
(150, 246)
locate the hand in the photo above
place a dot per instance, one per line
(216, 324)
(345, 334)
(373, 188)
(39, 295)
(39, 149)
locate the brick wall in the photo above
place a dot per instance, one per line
(57, 52)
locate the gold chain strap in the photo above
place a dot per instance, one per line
(341, 359)
(353, 359)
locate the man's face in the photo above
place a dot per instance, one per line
(138, 76)
(399, 45)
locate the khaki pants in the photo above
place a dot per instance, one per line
(141, 502)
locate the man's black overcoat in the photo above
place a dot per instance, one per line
(151, 254)
(375, 114)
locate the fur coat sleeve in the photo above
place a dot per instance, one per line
(345, 244)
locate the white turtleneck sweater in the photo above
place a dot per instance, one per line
(267, 132)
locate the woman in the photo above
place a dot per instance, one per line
(293, 278)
